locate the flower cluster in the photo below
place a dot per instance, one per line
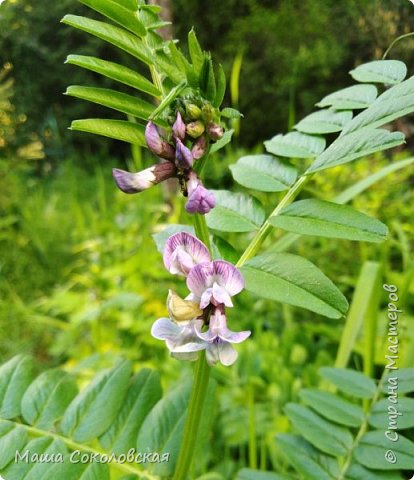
(189, 142)
(211, 285)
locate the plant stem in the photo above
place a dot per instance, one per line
(265, 229)
(199, 390)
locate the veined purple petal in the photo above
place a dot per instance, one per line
(218, 330)
(183, 155)
(221, 296)
(182, 252)
(140, 181)
(164, 329)
(179, 127)
(156, 144)
(200, 200)
(228, 276)
(199, 148)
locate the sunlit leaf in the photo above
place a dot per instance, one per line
(380, 71)
(355, 97)
(295, 145)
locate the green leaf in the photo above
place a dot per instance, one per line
(374, 445)
(144, 392)
(379, 417)
(211, 89)
(327, 219)
(196, 52)
(324, 435)
(380, 71)
(230, 113)
(162, 429)
(96, 407)
(12, 439)
(47, 398)
(235, 212)
(295, 145)
(392, 104)
(349, 381)
(355, 145)
(405, 380)
(131, 4)
(358, 472)
(115, 71)
(15, 376)
(222, 250)
(96, 471)
(333, 407)
(294, 280)
(224, 140)
(168, 67)
(119, 14)
(324, 121)
(264, 173)
(250, 474)
(168, 99)
(119, 129)
(114, 35)
(161, 237)
(308, 461)
(357, 96)
(112, 99)
(221, 89)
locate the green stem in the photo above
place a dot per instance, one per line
(266, 228)
(199, 390)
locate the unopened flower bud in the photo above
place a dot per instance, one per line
(182, 310)
(193, 111)
(156, 144)
(208, 112)
(179, 127)
(200, 147)
(214, 131)
(200, 200)
(183, 155)
(137, 182)
(195, 129)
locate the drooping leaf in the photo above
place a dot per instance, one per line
(350, 381)
(115, 71)
(224, 140)
(143, 393)
(306, 459)
(293, 280)
(94, 410)
(15, 376)
(119, 14)
(295, 145)
(119, 129)
(355, 97)
(235, 212)
(161, 237)
(114, 35)
(333, 408)
(327, 219)
(404, 377)
(380, 71)
(355, 145)
(324, 121)
(374, 446)
(112, 99)
(47, 398)
(404, 411)
(264, 173)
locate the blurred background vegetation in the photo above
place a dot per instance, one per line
(81, 280)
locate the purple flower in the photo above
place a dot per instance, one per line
(183, 155)
(214, 282)
(137, 182)
(181, 340)
(156, 144)
(199, 148)
(182, 252)
(200, 200)
(219, 339)
(179, 127)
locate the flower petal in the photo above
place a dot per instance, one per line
(183, 155)
(220, 295)
(228, 276)
(182, 251)
(200, 278)
(226, 353)
(164, 329)
(235, 337)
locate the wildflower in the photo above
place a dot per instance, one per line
(214, 282)
(219, 339)
(179, 127)
(156, 144)
(182, 252)
(183, 155)
(200, 200)
(137, 182)
(199, 148)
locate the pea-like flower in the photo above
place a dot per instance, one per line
(156, 144)
(140, 181)
(182, 252)
(214, 282)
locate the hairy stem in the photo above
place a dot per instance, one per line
(266, 228)
(199, 390)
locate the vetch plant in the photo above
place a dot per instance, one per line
(183, 125)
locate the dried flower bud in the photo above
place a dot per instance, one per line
(182, 310)
(137, 182)
(200, 147)
(193, 111)
(156, 144)
(200, 200)
(179, 127)
(195, 129)
(214, 131)
(183, 155)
